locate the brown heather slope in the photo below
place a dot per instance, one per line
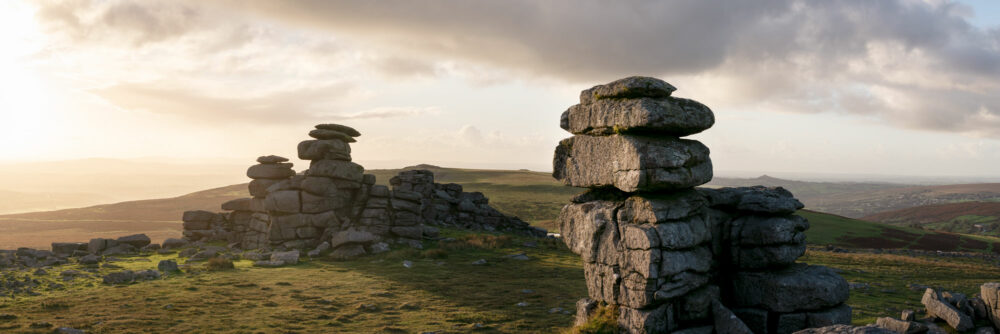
(936, 213)
(167, 209)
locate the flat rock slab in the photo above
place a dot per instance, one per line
(331, 134)
(936, 307)
(271, 171)
(661, 116)
(629, 87)
(632, 163)
(794, 289)
(339, 128)
(271, 159)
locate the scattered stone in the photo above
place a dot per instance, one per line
(519, 257)
(174, 243)
(348, 252)
(135, 240)
(168, 267)
(479, 262)
(68, 330)
(846, 329)
(940, 309)
(908, 315)
(901, 326)
(408, 264)
(89, 259)
(522, 304)
(378, 248)
(286, 258)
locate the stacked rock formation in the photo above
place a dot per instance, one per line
(671, 257)
(334, 207)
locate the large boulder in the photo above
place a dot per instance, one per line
(332, 149)
(756, 199)
(936, 307)
(793, 289)
(171, 243)
(662, 116)
(339, 128)
(990, 294)
(351, 236)
(239, 204)
(287, 258)
(632, 163)
(135, 240)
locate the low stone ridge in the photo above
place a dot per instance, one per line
(334, 209)
(673, 258)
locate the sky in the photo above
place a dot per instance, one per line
(892, 87)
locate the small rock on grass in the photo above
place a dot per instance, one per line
(479, 262)
(408, 264)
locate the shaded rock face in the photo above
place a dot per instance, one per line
(671, 257)
(336, 203)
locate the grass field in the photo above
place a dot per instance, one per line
(443, 291)
(828, 229)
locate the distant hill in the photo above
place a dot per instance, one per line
(17, 201)
(857, 200)
(828, 229)
(963, 217)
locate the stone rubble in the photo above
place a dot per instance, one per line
(674, 258)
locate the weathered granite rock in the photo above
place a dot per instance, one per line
(656, 320)
(271, 171)
(797, 288)
(330, 149)
(167, 266)
(846, 329)
(174, 243)
(901, 326)
(239, 204)
(589, 229)
(632, 163)
(837, 315)
(756, 199)
(347, 252)
(727, 322)
(325, 134)
(339, 128)
(271, 159)
(990, 293)
(337, 169)
(584, 309)
(936, 307)
(135, 240)
(287, 258)
(67, 248)
(626, 88)
(660, 116)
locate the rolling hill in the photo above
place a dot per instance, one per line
(839, 231)
(964, 217)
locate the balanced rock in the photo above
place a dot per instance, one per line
(271, 159)
(632, 163)
(337, 169)
(661, 116)
(627, 88)
(340, 128)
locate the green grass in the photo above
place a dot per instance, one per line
(891, 275)
(436, 294)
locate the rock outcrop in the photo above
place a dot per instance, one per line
(334, 207)
(674, 258)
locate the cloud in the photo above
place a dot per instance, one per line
(384, 112)
(849, 56)
(286, 106)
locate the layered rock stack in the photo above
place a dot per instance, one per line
(334, 207)
(671, 257)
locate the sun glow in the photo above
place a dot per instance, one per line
(23, 104)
